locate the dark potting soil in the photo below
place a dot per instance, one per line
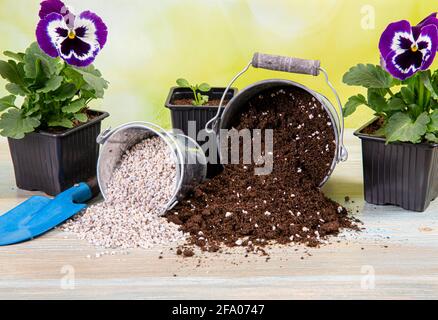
(374, 127)
(239, 208)
(189, 102)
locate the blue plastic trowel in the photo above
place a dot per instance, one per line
(38, 214)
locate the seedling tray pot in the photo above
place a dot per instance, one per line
(401, 174)
(54, 162)
(200, 115)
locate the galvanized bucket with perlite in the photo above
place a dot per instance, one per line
(285, 64)
(189, 159)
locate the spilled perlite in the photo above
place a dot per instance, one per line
(136, 196)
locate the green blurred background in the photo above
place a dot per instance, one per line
(152, 43)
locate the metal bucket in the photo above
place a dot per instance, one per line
(286, 64)
(190, 161)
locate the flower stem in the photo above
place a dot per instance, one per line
(420, 92)
(195, 95)
(427, 102)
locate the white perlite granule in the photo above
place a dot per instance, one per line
(129, 217)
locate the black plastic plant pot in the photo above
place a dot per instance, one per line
(199, 115)
(401, 174)
(54, 162)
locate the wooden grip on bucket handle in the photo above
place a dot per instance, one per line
(286, 64)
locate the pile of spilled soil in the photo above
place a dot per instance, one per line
(239, 208)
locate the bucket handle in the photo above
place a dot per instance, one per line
(291, 65)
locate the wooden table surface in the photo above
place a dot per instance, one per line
(395, 257)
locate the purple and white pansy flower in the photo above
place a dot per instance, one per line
(406, 50)
(77, 39)
(431, 19)
(49, 6)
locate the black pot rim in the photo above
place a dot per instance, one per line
(101, 115)
(169, 105)
(361, 135)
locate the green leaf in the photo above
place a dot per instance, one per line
(16, 89)
(415, 109)
(97, 83)
(51, 85)
(64, 122)
(87, 94)
(81, 117)
(408, 95)
(197, 101)
(39, 78)
(33, 109)
(35, 61)
(7, 102)
(204, 100)
(16, 56)
(9, 71)
(352, 104)
(377, 102)
(183, 83)
(31, 106)
(396, 104)
(74, 106)
(204, 87)
(368, 76)
(380, 132)
(91, 69)
(378, 91)
(401, 127)
(51, 66)
(432, 137)
(410, 82)
(14, 125)
(425, 77)
(72, 76)
(433, 125)
(433, 104)
(200, 99)
(30, 60)
(65, 91)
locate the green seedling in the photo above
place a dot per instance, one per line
(199, 98)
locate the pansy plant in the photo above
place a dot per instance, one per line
(402, 90)
(53, 81)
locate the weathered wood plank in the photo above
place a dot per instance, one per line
(395, 257)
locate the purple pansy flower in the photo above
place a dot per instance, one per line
(406, 50)
(49, 6)
(76, 39)
(431, 19)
